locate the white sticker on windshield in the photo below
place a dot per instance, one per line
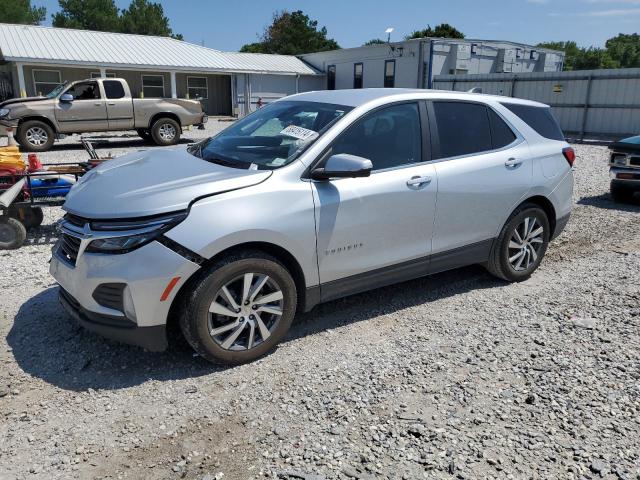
(277, 162)
(299, 132)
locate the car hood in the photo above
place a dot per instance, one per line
(627, 145)
(152, 182)
(21, 100)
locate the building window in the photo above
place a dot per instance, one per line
(389, 73)
(197, 87)
(108, 75)
(331, 77)
(357, 75)
(45, 80)
(153, 86)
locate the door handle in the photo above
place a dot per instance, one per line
(111, 104)
(513, 162)
(419, 181)
(98, 104)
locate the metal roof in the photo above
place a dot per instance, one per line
(35, 44)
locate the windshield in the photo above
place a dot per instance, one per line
(271, 137)
(56, 91)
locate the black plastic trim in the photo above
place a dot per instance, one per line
(122, 330)
(180, 250)
(561, 223)
(419, 267)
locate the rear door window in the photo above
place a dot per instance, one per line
(501, 133)
(113, 89)
(539, 118)
(463, 128)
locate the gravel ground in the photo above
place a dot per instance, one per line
(453, 376)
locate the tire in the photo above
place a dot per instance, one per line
(198, 323)
(165, 131)
(621, 194)
(30, 217)
(12, 233)
(144, 134)
(520, 267)
(35, 136)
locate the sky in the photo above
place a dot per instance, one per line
(227, 25)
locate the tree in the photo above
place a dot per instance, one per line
(374, 41)
(625, 49)
(101, 15)
(570, 49)
(580, 58)
(292, 33)
(21, 11)
(444, 30)
(146, 18)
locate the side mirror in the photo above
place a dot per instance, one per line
(343, 165)
(66, 98)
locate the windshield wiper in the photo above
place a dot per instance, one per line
(229, 163)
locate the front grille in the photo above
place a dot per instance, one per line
(110, 295)
(68, 248)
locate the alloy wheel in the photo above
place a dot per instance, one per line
(37, 136)
(525, 244)
(167, 132)
(245, 311)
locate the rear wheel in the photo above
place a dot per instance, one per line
(12, 233)
(521, 245)
(35, 136)
(165, 131)
(621, 194)
(239, 309)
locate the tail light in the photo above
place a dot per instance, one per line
(569, 155)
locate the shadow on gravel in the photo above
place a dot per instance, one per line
(605, 201)
(48, 345)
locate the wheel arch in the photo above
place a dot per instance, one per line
(39, 118)
(547, 206)
(281, 254)
(161, 115)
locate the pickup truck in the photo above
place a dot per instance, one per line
(97, 105)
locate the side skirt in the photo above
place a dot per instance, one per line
(382, 277)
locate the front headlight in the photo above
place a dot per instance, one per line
(4, 112)
(130, 235)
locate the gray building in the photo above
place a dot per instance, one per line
(33, 60)
(414, 63)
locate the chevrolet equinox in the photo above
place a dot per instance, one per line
(311, 198)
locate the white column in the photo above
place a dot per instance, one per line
(103, 72)
(21, 85)
(174, 91)
(298, 83)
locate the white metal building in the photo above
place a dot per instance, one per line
(34, 59)
(414, 63)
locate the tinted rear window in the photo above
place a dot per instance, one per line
(463, 128)
(539, 118)
(501, 133)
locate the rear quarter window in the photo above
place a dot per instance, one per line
(539, 118)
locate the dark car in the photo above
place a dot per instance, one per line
(625, 168)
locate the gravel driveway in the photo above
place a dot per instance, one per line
(457, 375)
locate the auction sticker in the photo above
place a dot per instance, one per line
(299, 132)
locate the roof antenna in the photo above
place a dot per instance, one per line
(475, 90)
(388, 32)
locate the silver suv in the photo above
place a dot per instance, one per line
(311, 198)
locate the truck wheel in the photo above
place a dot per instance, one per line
(621, 194)
(165, 131)
(35, 136)
(30, 217)
(239, 308)
(12, 233)
(144, 134)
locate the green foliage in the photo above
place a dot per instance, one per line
(374, 41)
(292, 33)
(21, 11)
(143, 17)
(101, 15)
(621, 51)
(444, 30)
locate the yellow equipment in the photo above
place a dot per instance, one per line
(10, 157)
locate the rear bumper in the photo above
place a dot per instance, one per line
(561, 223)
(625, 177)
(117, 328)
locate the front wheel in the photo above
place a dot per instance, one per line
(35, 136)
(239, 309)
(165, 131)
(521, 245)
